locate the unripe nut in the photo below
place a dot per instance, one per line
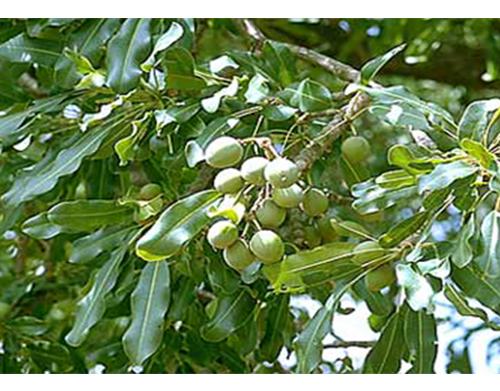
(281, 173)
(366, 252)
(222, 234)
(252, 170)
(267, 246)
(238, 256)
(270, 215)
(228, 181)
(223, 152)
(315, 202)
(291, 197)
(149, 191)
(380, 278)
(356, 149)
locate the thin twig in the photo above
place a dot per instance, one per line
(349, 344)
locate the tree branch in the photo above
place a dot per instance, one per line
(341, 120)
(349, 344)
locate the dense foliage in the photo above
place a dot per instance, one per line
(170, 187)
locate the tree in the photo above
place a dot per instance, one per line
(168, 187)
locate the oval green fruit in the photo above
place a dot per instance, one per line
(380, 278)
(150, 191)
(238, 255)
(222, 234)
(377, 322)
(252, 170)
(267, 246)
(366, 252)
(281, 173)
(356, 149)
(228, 181)
(270, 215)
(291, 197)
(4, 310)
(223, 152)
(315, 202)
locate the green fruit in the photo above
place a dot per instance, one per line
(349, 229)
(356, 149)
(223, 152)
(291, 197)
(270, 215)
(326, 230)
(366, 252)
(281, 173)
(238, 255)
(377, 322)
(228, 181)
(252, 170)
(4, 310)
(315, 202)
(380, 278)
(267, 246)
(150, 191)
(222, 234)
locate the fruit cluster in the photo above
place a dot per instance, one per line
(277, 178)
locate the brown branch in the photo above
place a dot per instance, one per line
(349, 344)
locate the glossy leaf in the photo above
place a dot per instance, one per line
(126, 51)
(92, 307)
(418, 291)
(179, 65)
(372, 198)
(21, 48)
(278, 328)
(40, 227)
(475, 119)
(178, 224)
(232, 312)
(403, 230)
(311, 96)
(395, 179)
(373, 67)
(173, 34)
(150, 301)
(463, 254)
(489, 260)
(478, 151)
(444, 175)
(421, 337)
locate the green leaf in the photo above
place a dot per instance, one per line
(40, 227)
(418, 291)
(444, 175)
(372, 67)
(21, 48)
(478, 151)
(87, 40)
(45, 175)
(489, 260)
(126, 147)
(395, 179)
(279, 112)
(88, 215)
(126, 51)
(474, 121)
(150, 301)
(329, 262)
(280, 63)
(372, 198)
(179, 65)
(257, 89)
(178, 224)
(211, 104)
(51, 357)
(312, 96)
(173, 34)
(421, 337)
(232, 312)
(89, 247)
(403, 230)
(278, 328)
(386, 354)
(463, 254)
(92, 307)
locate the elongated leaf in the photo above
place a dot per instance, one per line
(444, 175)
(373, 67)
(418, 290)
(44, 177)
(150, 301)
(463, 254)
(88, 215)
(311, 96)
(279, 62)
(478, 151)
(106, 239)
(395, 179)
(421, 337)
(489, 260)
(475, 119)
(177, 225)
(179, 65)
(386, 354)
(21, 48)
(173, 34)
(92, 307)
(403, 230)
(40, 227)
(87, 41)
(257, 89)
(126, 51)
(232, 312)
(278, 328)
